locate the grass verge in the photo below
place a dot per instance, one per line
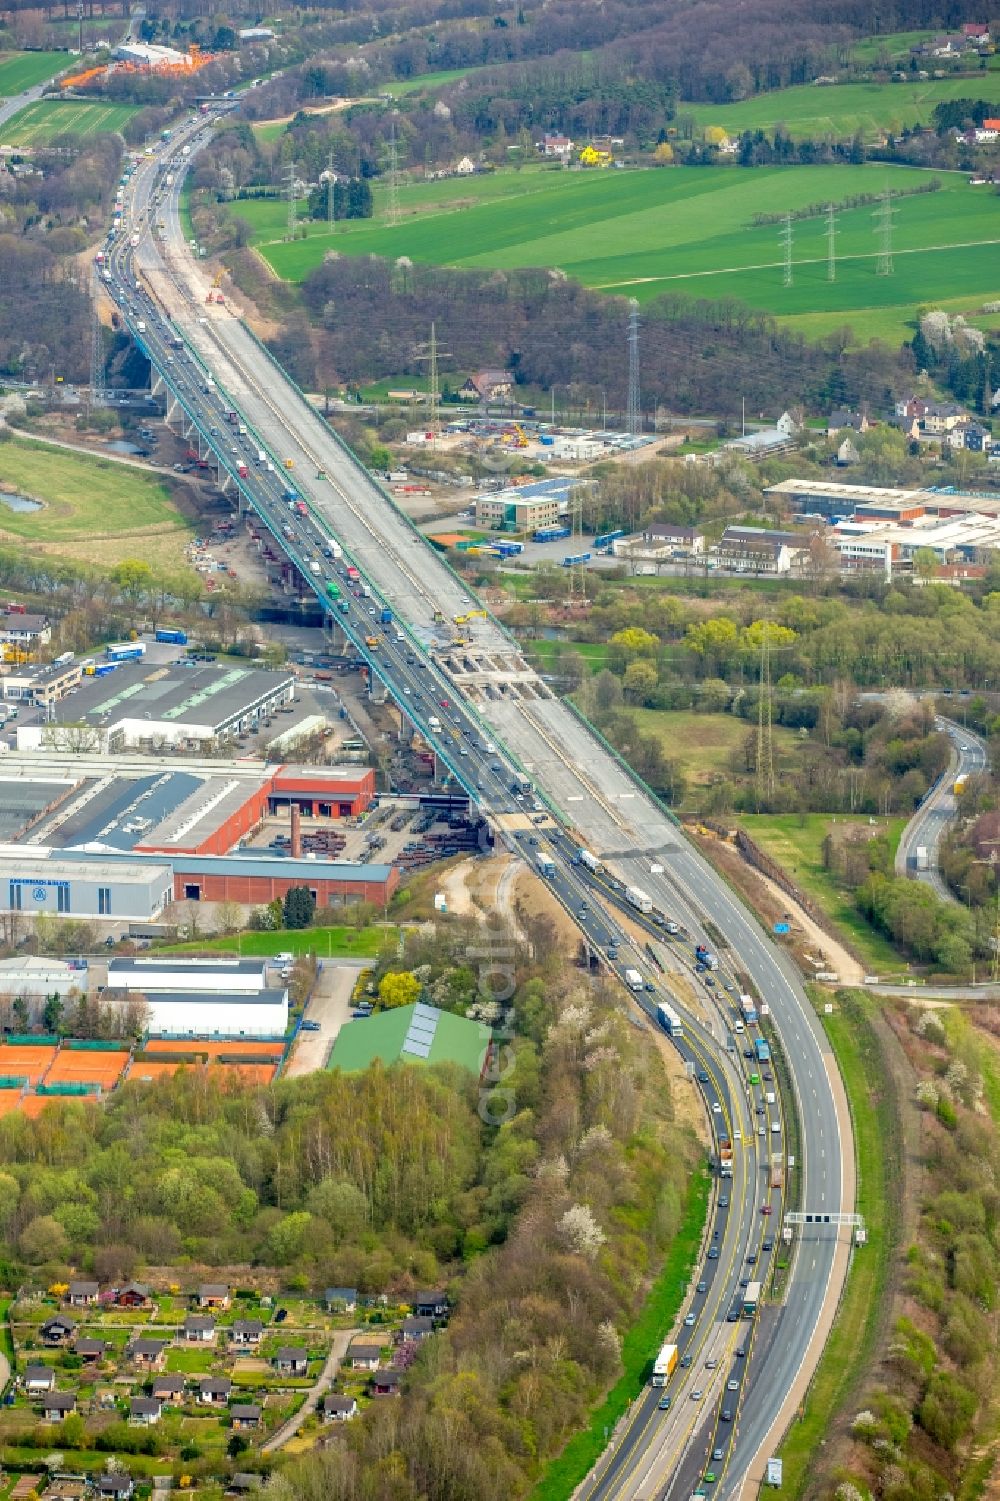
(327, 943)
(641, 1342)
(871, 1095)
(795, 841)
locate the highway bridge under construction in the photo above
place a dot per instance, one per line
(517, 750)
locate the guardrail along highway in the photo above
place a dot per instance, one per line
(509, 743)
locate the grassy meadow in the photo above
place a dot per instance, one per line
(646, 232)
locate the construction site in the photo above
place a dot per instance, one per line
(140, 58)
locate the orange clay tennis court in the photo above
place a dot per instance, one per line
(244, 1048)
(81, 1067)
(9, 1100)
(33, 1104)
(148, 1069)
(28, 1062)
(250, 1073)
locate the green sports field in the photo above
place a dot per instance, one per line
(41, 122)
(845, 109)
(643, 233)
(23, 70)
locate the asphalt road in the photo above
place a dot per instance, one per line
(927, 826)
(503, 747)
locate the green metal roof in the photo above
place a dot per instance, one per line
(411, 1034)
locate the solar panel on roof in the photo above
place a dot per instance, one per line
(418, 1049)
(418, 1025)
(430, 1012)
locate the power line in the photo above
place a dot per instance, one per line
(765, 726)
(786, 240)
(831, 243)
(432, 355)
(289, 185)
(883, 216)
(392, 169)
(634, 418)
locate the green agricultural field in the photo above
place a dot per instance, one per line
(92, 509)
(644, 233)
(39, 123)
(23, 70)
(845, 109)
(708, 746)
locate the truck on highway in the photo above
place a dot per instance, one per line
(243, 471)
(751, 1299)
(762, 1051)
(590, 861)
(333, 548)
(669, 1020)
(922, 859)
(385, 615)
(633, 979)
(705, 957)
(725, 1157)
(546, 864)
(664, 1365)
(433, 722)
(637, 898)
(333, 591)
(261, 456)
(748, 1006)
(371, 641)
(960, 784)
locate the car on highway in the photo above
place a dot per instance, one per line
(732, 1316)
(740, 1350)
(754, 1077)
(711, 1363)
(717, 1455)
(709, 1477)
(713, 1253)
(716, 1108)
(751, 1258)
(685, 1361)
(766, 1209)
(768, 1245)
(664, 1403)
(697, 1394)
(702, 1287)
(726, 1415)
(689, 1321)
(732, 1385)
(702, 1076)
(761, 1131)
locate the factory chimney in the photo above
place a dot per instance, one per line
(296, 832)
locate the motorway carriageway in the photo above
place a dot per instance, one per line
(609, 808)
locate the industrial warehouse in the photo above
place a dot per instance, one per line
(89, 837)
(134, 704)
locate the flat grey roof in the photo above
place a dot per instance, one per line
(189, 966)
(21, 801)
(102, 868)
(207, 997)
(80, 863)
(171, 694)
